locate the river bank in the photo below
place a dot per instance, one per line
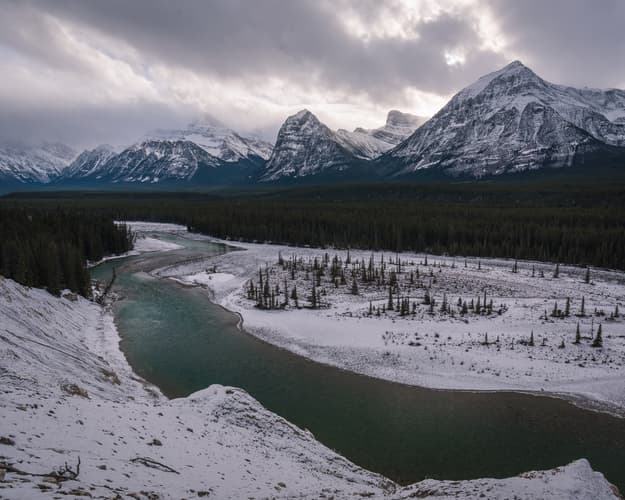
(435, 350)
(71, 404)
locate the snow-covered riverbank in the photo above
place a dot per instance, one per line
(430, 348)
(68, 394)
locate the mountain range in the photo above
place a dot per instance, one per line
(508, 121)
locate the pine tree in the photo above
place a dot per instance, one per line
(578, 335)
(587, 275)
(531, 341)
(354, 287)
(567, 307)
(389, 306)
(556, 272)
(598, 341)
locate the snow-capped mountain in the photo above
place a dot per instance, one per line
(176, 155)
(90, 162)
(26, 163)
(513, 120)
(369, 144)
(306, 147)
(218, 140)
(149, 161)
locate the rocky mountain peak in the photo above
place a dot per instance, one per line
(396, 118)
(512, 120)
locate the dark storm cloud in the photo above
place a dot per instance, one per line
(85, 125)
(304, 44)
(577, 42)
(300, 41)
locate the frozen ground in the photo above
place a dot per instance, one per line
(430, 347)
(68, 397)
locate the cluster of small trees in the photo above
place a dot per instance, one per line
(49, 247)
(405, 284)
(558, 313)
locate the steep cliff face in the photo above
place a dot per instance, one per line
(306, 147)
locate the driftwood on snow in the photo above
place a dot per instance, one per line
(65, 473)
(149, 462)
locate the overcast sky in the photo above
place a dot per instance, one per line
(87, 71)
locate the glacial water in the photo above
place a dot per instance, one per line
(176, 338)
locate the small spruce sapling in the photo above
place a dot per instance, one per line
(598, 340)
(578, 335)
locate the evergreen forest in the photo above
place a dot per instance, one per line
(49, 248)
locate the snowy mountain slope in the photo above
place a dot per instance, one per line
(218, 140)
(68, 394)
(150, 161)
(206, 152)
(369, 144)
(33, 163)
(306, 147)
(512, 120)
(90, 162)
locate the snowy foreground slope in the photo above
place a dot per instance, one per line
(442, 350)
(67, 393)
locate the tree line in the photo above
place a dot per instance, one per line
(48, 248)
(582, 236)
(576, 223)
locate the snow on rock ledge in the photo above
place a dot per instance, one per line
(68, 393)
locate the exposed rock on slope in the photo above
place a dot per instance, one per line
(150, 161)
(90, 163)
